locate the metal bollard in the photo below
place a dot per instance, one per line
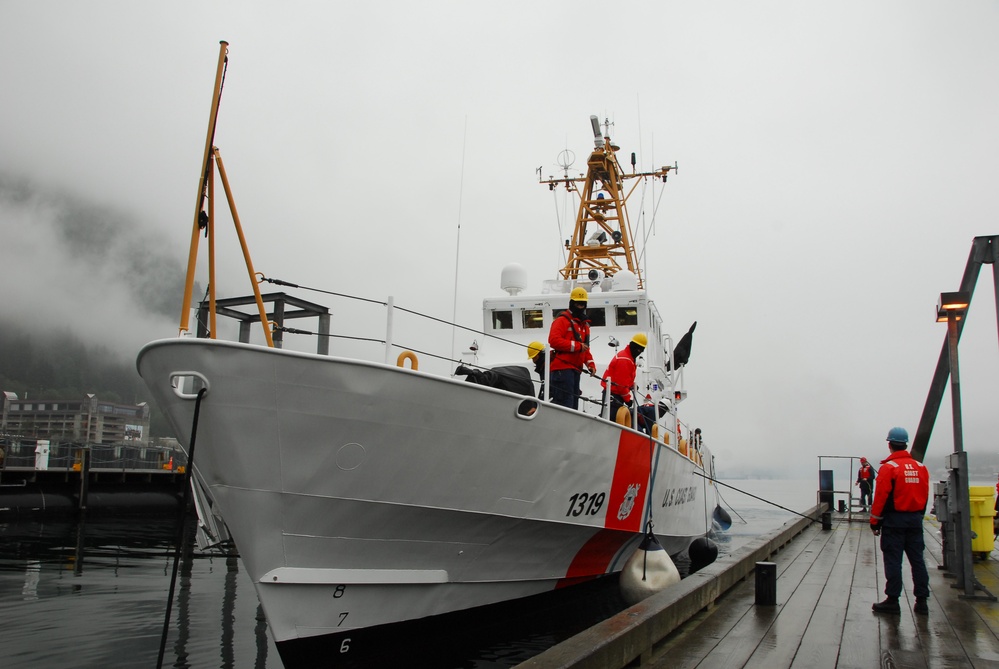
(826, 521)
(766, 583)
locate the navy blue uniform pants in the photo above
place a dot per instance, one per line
(896, 541)
(565, 387)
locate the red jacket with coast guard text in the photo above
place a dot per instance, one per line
(566, 337)
(903, 486)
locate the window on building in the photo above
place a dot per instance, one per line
(502, 320)
(598, 316)
(627, 315)
(534, 319)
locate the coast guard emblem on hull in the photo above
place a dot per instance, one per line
(628, 503)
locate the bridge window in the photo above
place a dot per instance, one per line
(533, 319)
(627, 315)
(502, 320)
(598, 316)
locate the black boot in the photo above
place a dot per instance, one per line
(890, 605)
(921, 606)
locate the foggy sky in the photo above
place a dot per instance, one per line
(835, 163)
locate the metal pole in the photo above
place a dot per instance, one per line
(966, 571)
(389, 320)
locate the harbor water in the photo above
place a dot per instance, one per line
(94, 593)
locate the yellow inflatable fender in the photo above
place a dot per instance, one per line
(623, 416)
(408, 355)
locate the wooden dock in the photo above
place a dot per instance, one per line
(827, 580)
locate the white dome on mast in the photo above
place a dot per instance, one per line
(513, 278)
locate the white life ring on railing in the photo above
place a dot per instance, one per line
(414, 364)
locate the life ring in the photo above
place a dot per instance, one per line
(414, 364)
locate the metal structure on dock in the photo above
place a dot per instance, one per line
(952, 308)
(984, 251)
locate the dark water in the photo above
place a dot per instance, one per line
(94, 594)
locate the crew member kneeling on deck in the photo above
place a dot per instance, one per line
(621, 374)
(569, 339)
(900, 495)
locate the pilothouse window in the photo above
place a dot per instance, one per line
(533, 319)
(627, 315)
(597, 316)
(502, 320)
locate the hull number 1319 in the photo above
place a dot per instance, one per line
(587, 503)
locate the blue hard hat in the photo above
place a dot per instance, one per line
(898, 434)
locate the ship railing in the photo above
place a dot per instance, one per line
(426, 332)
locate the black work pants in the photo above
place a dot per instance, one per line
(908, 541)
(865, 493)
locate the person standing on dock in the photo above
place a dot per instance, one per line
(865, 481)
(569, 339)
(900, 496)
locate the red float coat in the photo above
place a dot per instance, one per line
(902, 485)
(566, 337)
(866, 473)
(621, 374)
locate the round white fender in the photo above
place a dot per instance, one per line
(648, 571)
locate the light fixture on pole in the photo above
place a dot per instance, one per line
(951, 308)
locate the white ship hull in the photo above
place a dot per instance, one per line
(362, 494)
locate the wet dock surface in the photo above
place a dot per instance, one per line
(827, 581)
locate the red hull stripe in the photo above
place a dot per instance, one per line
(626, 504)
(594, 558)
(625, 511)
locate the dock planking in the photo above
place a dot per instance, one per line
(823, 616)
(826, 583)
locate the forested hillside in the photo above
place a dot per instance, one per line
(58, 365)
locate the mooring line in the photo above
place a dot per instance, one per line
(182, 537)
(797, 513)
(731, 508)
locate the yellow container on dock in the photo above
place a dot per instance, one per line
(982, 512)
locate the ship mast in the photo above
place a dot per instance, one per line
(602, 240)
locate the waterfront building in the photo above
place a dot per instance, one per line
(90, 420)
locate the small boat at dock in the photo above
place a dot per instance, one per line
(360, 526)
